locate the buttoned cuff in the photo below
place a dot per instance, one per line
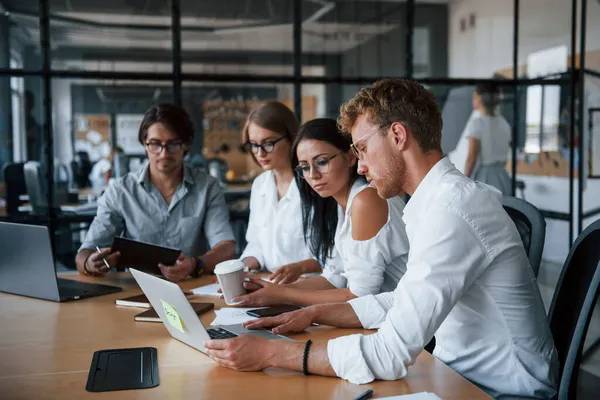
(347, 361)
(369, 311)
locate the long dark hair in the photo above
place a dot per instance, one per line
(319, 215)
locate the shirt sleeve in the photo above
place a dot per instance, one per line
(216, 221)
(474, 129)
(109, 221)
(372, 310)
(253, 234)
(445, 259)
(333, 269)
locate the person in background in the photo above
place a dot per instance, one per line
(468, 278)
(166, 203)
(274, 235)
(359, 236)
(33, 130)
(489, 136)
(102, 170)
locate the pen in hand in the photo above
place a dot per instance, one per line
(103, 259)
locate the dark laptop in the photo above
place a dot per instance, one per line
(27, 267)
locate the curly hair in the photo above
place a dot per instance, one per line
(397, 100)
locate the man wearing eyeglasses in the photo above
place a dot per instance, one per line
(467, 279)
(166, 203)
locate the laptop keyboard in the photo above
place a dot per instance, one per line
(218, 333)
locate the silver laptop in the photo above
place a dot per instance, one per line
(182, 322)
(27, 267)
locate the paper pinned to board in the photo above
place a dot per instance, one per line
(414, 396)
(232, 316)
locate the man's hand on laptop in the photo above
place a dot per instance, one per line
(95, 264)
(183, 267)
(243, 353)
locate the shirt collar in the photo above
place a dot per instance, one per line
(270, 188)
(144, 174)
(426, 189)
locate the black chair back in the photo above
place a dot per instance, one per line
(14, 180)
(573, 304)
(531, 226)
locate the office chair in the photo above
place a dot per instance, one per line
(531, 226)
(37, 190)
(14, 179)
(218, 167)
(573, 304)
(81, 167)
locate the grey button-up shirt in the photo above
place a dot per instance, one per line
(134, 208)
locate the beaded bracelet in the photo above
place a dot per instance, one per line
(305, 358)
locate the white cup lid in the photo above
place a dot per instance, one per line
(229, 266)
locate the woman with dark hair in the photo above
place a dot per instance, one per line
(489, 136)
(274, 235)
(359, 236)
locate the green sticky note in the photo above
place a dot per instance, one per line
(172, 316)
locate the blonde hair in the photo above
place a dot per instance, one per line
(274, 116)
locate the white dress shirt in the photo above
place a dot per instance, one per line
(368, 266)
(469, 282)
(275, 236)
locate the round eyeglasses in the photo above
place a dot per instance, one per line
(157, 147)
(267, 147)
(322, 165)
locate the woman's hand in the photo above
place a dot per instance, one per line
(263, 293)
(287, 274)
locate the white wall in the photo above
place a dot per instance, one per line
(487, 47)
(479, 51)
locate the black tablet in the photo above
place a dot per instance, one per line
(143, 256)
(122, 369)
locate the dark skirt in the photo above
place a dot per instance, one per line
(494, 175)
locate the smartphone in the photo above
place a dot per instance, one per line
(152, 316)
(271, 311)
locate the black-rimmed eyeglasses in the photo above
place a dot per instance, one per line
(322, 165)
(266, 146)
(172, 147)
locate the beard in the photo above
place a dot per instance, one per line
(392, 178)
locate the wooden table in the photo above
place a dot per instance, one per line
(46, 349)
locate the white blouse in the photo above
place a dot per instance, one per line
(275, 237)
(494, 134)
(369, 266)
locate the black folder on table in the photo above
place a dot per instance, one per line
(122, 369)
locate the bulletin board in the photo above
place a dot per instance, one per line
(128, 126)
(92, 135)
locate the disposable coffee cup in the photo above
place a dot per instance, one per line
(231, 276)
